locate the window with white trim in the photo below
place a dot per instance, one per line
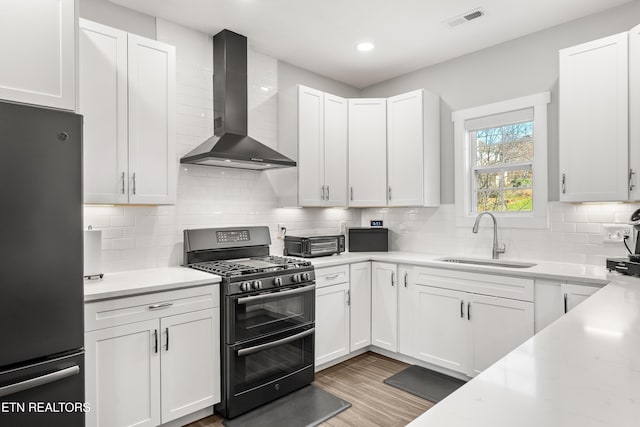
(501, 161)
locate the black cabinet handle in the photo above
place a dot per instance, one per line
(469, 310)
(166, 347)
(155, 339)
(565, 302)
(462, 309)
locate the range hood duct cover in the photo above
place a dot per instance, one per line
(231, 146)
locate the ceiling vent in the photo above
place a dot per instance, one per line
(464, 18)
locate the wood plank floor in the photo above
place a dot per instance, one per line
(359, 381)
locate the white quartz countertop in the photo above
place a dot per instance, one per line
(127, 283)
(543, 270)
(581, 371)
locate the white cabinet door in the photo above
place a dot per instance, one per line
(153, 165)
(405, 145)
(37, 41)
(332, 323)
(103, 103)
(190, 349)
(634, 111)
(123, 375)
(573, 294)
(335, 150)
(406, 311)
(367, 152)
(499, 326)
(310, 147)
(548, 305)
(360, 299)
(384, 306)
(442, 331)
(593, 116)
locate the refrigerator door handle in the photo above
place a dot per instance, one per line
(39, 381)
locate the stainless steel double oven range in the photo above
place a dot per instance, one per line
(267, 316)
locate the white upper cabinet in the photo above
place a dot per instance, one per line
(37, 41)
(335, 150)
(127, 97)
(413, 149)
(103, 103)
(322, 148)
(594, 102)
(310, 147)
(153, 165)
(367, 152)
(634, 112)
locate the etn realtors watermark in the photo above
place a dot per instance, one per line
(44, 407)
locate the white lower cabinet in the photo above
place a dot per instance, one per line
(360, 305)
(160, 367)
(498, 326)
(343, 311)
(191, 347)
(332, 322)
(122, 381)
(574, 294)
(464, 331)
(442, 332)
(384, 306)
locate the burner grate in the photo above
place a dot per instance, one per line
(232, 268)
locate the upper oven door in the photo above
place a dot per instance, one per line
(255, 315)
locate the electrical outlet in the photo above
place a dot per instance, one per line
(615, 233)
(343, 227)
(282, 231)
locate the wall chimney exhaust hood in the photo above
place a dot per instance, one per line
(231, 146)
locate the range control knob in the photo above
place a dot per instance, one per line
(306, 277)
(245, 286)
(277, 281)
(297, 278)
(257, 284)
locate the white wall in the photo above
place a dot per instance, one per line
(116, 16)
(147, 237)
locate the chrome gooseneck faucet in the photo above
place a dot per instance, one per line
(496, 250)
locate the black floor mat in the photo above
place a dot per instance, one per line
(306, 407)
(425, 383)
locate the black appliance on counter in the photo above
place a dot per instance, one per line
(364, 239)
(310, 246)
(267, 316)
(630, 265)
(41, 285)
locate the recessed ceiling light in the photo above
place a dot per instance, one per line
(366, 46)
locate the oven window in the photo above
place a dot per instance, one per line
(260, 367)
(253, 319)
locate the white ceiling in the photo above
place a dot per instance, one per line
(321, 35)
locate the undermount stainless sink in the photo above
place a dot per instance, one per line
(488, 262)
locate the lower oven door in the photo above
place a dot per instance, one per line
(264, 369)
(256, 315)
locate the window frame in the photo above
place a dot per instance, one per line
(465, 170)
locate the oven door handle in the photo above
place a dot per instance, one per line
(247, 300)
(261, 347)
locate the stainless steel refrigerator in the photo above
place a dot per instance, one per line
(41, 284)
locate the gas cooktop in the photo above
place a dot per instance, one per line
(249, 266)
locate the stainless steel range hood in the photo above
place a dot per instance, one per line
(231, 146)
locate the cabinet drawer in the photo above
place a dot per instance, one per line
(332, 275)
(477, 283)
(122, 311)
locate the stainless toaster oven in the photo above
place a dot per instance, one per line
(311, 246)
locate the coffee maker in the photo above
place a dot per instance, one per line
(630, 265)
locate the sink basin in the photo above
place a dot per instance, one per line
(488, 262)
